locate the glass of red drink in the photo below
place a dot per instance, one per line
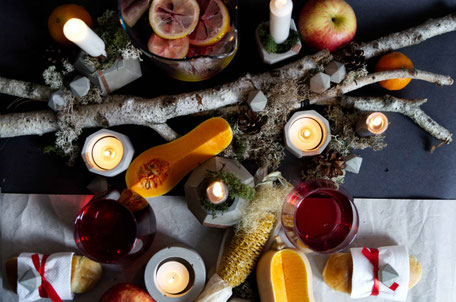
(107, 231)
(320, 216)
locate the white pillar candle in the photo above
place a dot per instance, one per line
(172, 277)
(375, 123)
(279, 19)
(306, 134)
(217, 192)
(80, 34)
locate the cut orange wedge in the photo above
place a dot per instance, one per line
(172, 49)
(173, 19)
(213, 24)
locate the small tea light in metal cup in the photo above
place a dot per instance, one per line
(307, 133)
(374, 124)
(217, 192)
(175, 274)
(107, 153)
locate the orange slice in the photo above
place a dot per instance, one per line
(173, 19)
(171, 49)
(213, 24)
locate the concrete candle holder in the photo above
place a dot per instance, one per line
(192, 192)
(272, 58)
(190, 259)
(128, 152)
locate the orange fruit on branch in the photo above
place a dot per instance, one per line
(391, 61)
(60, 15)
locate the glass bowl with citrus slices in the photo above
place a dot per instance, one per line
(191, 40)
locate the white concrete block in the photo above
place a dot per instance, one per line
(320, 82)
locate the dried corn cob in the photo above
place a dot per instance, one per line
(243, 252)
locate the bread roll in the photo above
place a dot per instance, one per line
(85, 273)
(339, 269)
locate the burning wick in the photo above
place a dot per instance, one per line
(217, 192)
(377, 123)
(172, 277)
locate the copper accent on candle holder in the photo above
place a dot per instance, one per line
(323, 126)
(364, 127)
(87, 153)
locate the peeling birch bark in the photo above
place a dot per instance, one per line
(165, 131)
(411, 36)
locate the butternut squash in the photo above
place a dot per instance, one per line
(284, 276)
(157, 170)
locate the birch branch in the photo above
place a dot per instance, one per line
(165, 131)
(351, 84)
(388, 103)
(411, 36)
(24, 89)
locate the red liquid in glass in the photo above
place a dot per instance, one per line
(324, 219)
(106, 230)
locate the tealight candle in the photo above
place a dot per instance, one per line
(307, 133)
(80, 34)
(279, 19)
(375, 123)
(217, 192)
(172, 277)
(107, 152)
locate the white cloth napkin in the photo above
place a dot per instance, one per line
(363, 272)
(57, 271)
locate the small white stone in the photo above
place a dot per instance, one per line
(98, 184)
(56, 101)
(336, 71)
(353, 164)
(257, 100)
(320, 82)
(80, 86)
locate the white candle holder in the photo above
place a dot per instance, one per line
(127, 156)
(272, 58)
(192, 192)
(322, 122)
(190, 259)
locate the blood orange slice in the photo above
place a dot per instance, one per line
(172, 49)
(213, 24)
(173, 19)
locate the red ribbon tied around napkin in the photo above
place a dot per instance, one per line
(372, 256)
(46, 290)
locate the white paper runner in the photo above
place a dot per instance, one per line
(363, 277)
(57, 271)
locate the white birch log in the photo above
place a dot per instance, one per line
(353, 83)
(25, 89)
(411, 36)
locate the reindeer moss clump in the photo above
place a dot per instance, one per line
(270, 45)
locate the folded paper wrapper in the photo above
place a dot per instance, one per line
(57, 271)
(363, 276)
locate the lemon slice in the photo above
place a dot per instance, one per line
(172, 49)
(213, 24)
(173, 19)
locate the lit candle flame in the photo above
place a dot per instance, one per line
(306, 133)
(75, 30)
(217, 192)
(280, 3)
(377, 122)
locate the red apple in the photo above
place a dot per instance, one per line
(327, 24)
(126, 292)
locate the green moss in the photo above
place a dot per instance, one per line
(115, 39)
(270, 45)
(235, 188)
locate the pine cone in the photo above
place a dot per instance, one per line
(250, 122)
(330, 164)
(351, 56)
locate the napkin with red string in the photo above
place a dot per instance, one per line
(43, 276)
(366, 266)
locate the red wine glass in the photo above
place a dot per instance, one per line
(106, 231)
(320, 216)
